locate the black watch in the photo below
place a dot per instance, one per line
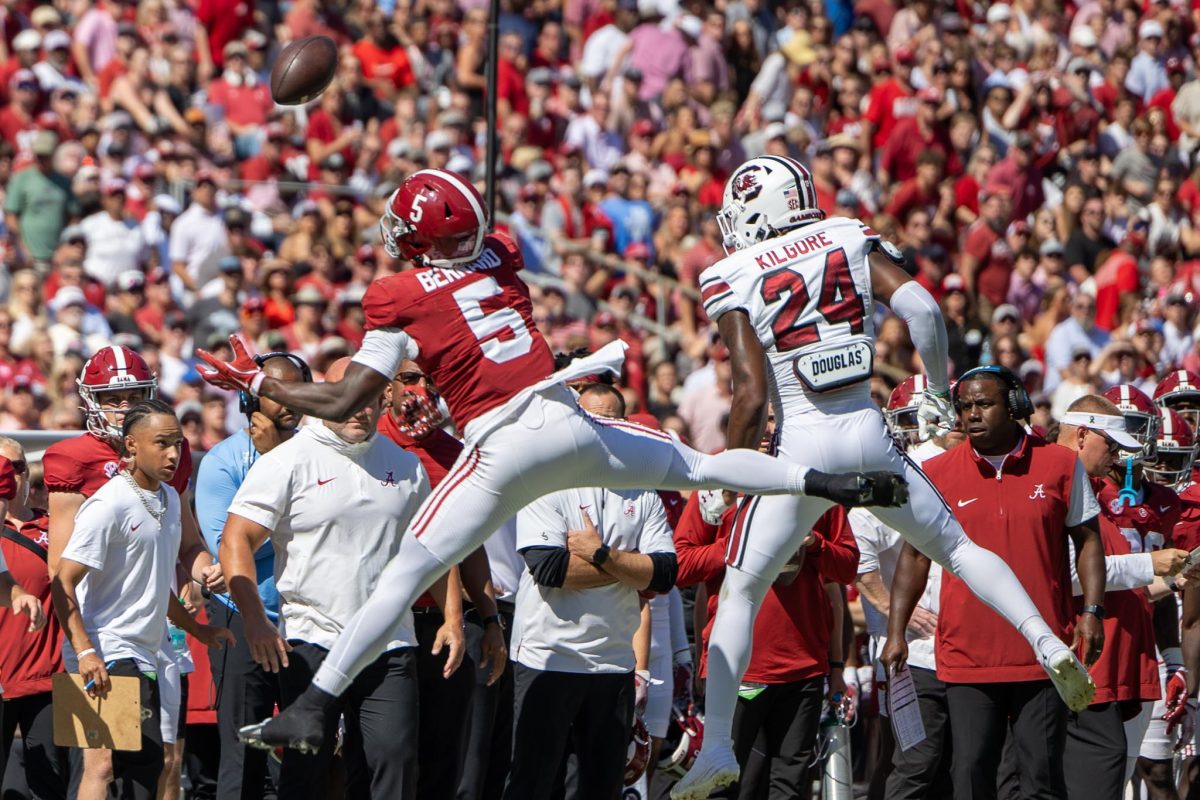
(1095, 610)
(600, 556)
(494, 618)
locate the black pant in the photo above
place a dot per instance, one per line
(979, 717)
(1094, 762)
(445, 709)
(923, 772)
(489, 735)
(591, 711)
(135, 773)
(380, 745)
(781, 724)
(246, 694)
(201, 761)
(45, 766)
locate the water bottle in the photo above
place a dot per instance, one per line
(837, 775)
(178, 638)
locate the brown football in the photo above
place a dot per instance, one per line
(303, 69)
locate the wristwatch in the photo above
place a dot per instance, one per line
(1095, 610)
(600, 556)
(496, 618)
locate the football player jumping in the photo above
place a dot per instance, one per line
(466, 317)
(797, 292)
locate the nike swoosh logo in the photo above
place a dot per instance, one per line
(1163, 509)
(323, 482)
(962, 503)
(133, 528)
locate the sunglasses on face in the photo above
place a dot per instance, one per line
(20, 466)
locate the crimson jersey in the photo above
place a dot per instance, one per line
(473, 327)
(28, 660)
(1128, 665)
(86, 463)
(1186, 535)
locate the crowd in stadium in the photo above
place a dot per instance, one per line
(1036, 163)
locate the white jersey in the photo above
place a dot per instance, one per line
(808, 295)
(131, 563)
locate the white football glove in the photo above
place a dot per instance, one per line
(935, 415)
(712, 505)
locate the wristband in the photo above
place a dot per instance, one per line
(493, 618)
(91, 651)
(1096, 611)
(837, 664)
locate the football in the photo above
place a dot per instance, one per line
(303, 69)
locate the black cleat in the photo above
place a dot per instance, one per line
(301, 726)
(854, 489)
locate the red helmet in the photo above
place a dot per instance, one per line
(1180, 391)
(901, 411)
(682, 744)
(113, 368)
(639, 752)
(436, 216)
(1176, 451)
(1141, 416)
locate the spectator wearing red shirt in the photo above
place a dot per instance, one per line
(890, 99)
(510, 78)
(1118, 278)
(1176, 77)
(17, 124)
(28, 659)
(385, 64)
(987, 260)
(316, 18)
(1021, 498)
(923, 189)
(329, 132)
(221, 22)
(25, 49)
(912, 138)
(245, 102)
(793, 642)
(1018, 176)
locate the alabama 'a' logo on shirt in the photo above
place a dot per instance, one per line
(630, 510)
(1039, 492)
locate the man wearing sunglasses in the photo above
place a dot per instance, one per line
(245, 691)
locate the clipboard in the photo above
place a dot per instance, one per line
(112, 723)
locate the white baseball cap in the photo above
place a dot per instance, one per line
(1150, 28)
(1111, 425)
(1083, 36)
(999, 12)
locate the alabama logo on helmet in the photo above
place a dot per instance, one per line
(1180, 390)
(1176, 451)
(1141, 416)
(112, 369)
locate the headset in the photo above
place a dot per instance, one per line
(1016, 398)
(248, 403)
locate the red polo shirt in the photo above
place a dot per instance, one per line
(791, 632)
(28, 660)
(995, 259)
(1128, 665)
(1021, 515)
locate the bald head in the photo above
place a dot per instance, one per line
(337, 370)
(1095, 404)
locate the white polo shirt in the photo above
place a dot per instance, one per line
(336, 512)
(584, 630)
(131, 565)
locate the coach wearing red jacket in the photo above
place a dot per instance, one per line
(783, 688)
(1021, 497)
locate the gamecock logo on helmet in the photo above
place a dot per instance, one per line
(746, 185)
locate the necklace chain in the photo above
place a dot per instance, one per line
(142, 493)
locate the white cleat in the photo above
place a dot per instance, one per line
(1071, 679)
(715, 768)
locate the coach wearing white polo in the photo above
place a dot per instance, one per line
(588, 552)
(335, 500)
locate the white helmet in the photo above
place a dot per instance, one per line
(765, 197)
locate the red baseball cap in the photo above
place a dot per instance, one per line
(643, 127)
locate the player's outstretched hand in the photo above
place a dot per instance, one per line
(239, 375)
(854, 489)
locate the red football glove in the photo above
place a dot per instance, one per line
(419, 414)
(239, 375)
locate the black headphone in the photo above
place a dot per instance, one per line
(1016, 398)
(248, 403)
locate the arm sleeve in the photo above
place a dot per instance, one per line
(913, 304)
(1083, 499)
(1129, 571)
(383, 349)
(666, 567)
(94, 526)
(547, 565)
(216, 486)
(264, 496)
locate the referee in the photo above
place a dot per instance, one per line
(589, 553)
(245, 692)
